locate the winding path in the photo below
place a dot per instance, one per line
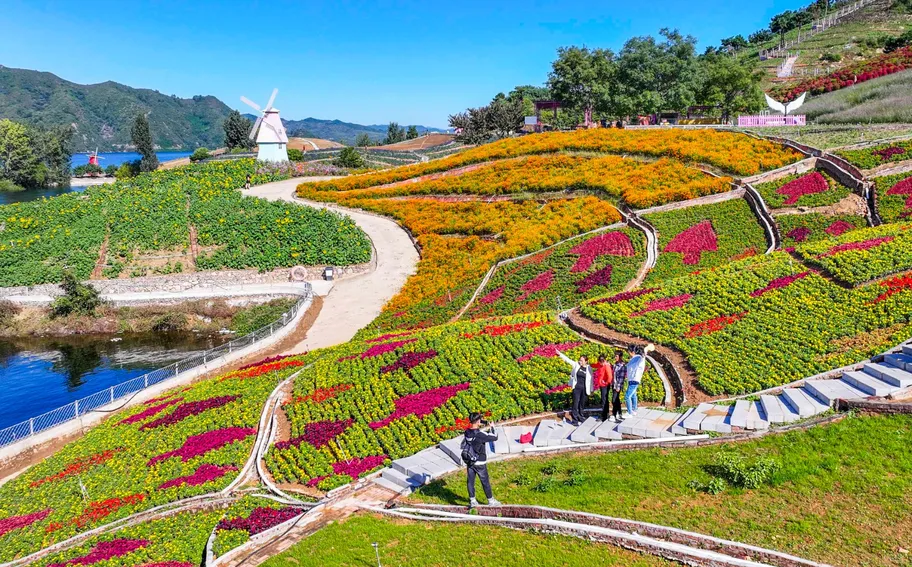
(353, 303)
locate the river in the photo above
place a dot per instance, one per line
(105, 159)
(38, 374)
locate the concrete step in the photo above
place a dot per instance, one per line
(801, 402)
(868, 384)
(583, 433)
(907, 349)
(776, 411)
(718, 419)
(756, 417)
(542, 432)
(513, 435)
(607, 430)
(502, 445)
(678, 427)
(889, 374)
(828, 391)
(417, 468)
(693, 419)
(659, 424)
(900, 361)
(560, 434)
(399, 479)
(438, 457)
(389, 484)
(452, 449)
(748, 415)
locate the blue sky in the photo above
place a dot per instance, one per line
(367, 62)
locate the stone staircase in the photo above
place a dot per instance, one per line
(880, 378)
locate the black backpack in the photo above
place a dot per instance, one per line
(469, 456)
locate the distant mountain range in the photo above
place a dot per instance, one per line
(103, 113)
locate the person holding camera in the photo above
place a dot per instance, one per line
(475, 457)
(580, 384)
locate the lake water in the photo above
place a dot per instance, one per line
(43, 373)
(106, 159)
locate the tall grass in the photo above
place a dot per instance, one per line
(882, 100)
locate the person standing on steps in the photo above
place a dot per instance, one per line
(475, 456)
(620, 376)
(580, 384)
(636, 367)
(604, 376)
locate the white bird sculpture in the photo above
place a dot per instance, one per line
(787, 107)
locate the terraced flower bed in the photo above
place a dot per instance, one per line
(811, 227)
(154, 212)
(814, 189)
(863, 255)
(364, 403)
(763, 321)
(702, 237)
(191, 441)
(894, 196)
(640, 184)
(871, 157)
(729, 151)
(247, 517)
(575, 270)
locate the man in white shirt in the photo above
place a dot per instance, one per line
(636, 367)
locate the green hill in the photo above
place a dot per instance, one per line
(102, 113)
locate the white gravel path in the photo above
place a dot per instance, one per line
(353, 303)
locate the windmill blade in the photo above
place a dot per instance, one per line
(774, 104)
(272, 98)
(250, 103)
(256, 126)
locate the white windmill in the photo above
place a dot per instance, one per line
(269, 131)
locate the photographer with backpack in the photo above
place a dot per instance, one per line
(475, 456)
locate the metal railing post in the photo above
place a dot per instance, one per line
(112, 393)
(31, 426)
(76, 405)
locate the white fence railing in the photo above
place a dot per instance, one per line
(816, 27)
(94, 401)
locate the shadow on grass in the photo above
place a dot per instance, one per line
(437, 489)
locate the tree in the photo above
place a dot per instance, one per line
(394, 133)
(363, 140)
(505, 116)
(237, 131)
(412, 133)
(77, 298)
(760, 36)
(731, 84)
(18, 162)
(199, 154)
(657, 76)
(142, 139)
(582, 79)
(349, 157)
(735, 43)
(474, 125)
(54, 151)
(529, 94)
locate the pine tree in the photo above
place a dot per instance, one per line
(237, 131)
(142, 139)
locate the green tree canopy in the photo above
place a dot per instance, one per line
(394, 133)
(656, 76)
(34, 157)
(730, 83)
(142, 139)
(363, 140)
(412, 133)
(237, 131)
(581, 79)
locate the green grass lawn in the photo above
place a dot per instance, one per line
(404, 543)
(827, 136)
(843, 494)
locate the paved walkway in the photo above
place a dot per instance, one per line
(353, 303)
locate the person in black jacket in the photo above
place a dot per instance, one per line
(479, 441)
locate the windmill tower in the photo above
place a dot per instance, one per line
(268, 131)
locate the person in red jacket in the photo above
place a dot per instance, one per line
(604, 376)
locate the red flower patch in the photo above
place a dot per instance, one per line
(894, 286)
(100, 510)
(255, 371)
(613, 243)
(17, 522)
(539, 283)
(461, 425)
(839, 227)
(805, 185)
(712, 325)
(626, 295)
(203, 474)
(378, 350)
(188, 410)
(560, 389)
(863, 245)
(500, 330)
(260, 520)
(197, 445)
(904, 187)
(694, 241)
(78, 466)
(320, 395)
(355, 467)
(408, 361)
(493, 296)
(268, 360)
(799, 234)
(317, 434)
(886, 154)
(536, 259)
(600, 277)
(548, 351)
(150, 411)
(388, 336)
(779, 283)
(750, 252)
(104, 550)
(664, 304)
(420, 404)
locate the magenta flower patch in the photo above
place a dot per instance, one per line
(378, 350)
(150, 411)
(387, 337)
(904, 187)
(197, 445)
(664, 304)
(694, 241)
(317, 433)
(600, 277)
(613, 243)
(204, 473)
(493, 296)
(804, 185)
(799, 234)
(260, 520)
(16, 522)
(887, 153)
(548, 351)
(540, 282)
(408, 361)
(863, 245)
(420, 404)
(839, 227)
(779, 283)
(168, 564)
(625, 296)
(105, 550)
(188, 410)
(355, 467)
